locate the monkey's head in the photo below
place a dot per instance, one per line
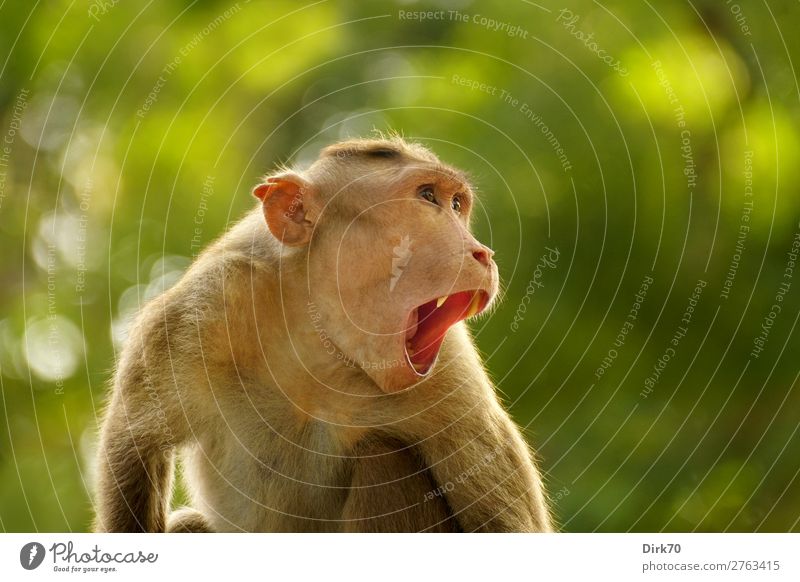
(382, 227)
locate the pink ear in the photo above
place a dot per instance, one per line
(261, 191)
(283, 205)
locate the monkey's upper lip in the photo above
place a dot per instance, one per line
(428, 324)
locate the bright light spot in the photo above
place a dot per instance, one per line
(130, 303)
(88, 452)
(53, 348)
(12, 362)
(697, 77)
(166, 271)
(399, 91)
(49, 121)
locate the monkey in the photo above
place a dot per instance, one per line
(312, 370)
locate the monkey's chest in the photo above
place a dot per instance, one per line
(268, 479)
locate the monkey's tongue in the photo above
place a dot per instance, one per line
(424, 340)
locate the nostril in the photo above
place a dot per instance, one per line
(483, 256)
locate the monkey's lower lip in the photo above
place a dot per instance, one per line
(428, 324)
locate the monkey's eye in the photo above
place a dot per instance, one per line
(426, 193)
(455, 204)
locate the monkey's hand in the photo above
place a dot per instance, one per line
(484, 470)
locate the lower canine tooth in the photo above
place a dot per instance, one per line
(474, 307)
(440, 301)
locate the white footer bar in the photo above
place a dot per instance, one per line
(350, 558)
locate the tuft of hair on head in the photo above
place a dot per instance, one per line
(391, 147)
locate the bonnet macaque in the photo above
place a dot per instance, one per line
(312, 370)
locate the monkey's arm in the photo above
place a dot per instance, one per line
(134, 468)
(485, 471)
(143, 424)
(480, 462)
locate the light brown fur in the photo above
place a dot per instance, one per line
(230, 368)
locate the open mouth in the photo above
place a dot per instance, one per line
(428, 324)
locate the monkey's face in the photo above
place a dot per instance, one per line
(396, 266)
(390, 259)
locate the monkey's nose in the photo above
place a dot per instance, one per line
(483, 255)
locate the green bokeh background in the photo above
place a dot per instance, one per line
(102, 187)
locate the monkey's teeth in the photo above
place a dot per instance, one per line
(475, 306)
(440, 301)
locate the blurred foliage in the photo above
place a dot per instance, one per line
(116, 115)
